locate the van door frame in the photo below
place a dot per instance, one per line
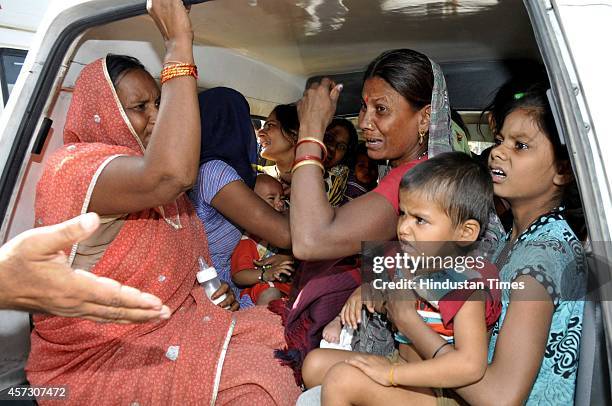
(580, 137)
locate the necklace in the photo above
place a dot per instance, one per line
(278, 173)
(280, 178)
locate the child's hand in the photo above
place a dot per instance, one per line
(274, 273)
(274, 260)
(374, 366)
(230, 302)
(401, 308)
(351, 311)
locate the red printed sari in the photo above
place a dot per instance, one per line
(202, 354)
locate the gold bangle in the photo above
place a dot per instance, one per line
(308, 162)
(177, 70)
(391, 380)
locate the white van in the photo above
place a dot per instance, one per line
(270, 49)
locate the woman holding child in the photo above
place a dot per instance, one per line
(223, 196)
(277, 138)
(117, 162)
(535, 343)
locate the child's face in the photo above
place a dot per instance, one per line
(272, 192)
(336, 140)
(422, 223)
(522, 163)
(365, 169)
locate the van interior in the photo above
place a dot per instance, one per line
(270, 50)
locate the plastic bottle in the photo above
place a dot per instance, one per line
(209, 280)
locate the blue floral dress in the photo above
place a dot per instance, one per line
(549, 252)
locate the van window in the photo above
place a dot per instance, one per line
(11, 61)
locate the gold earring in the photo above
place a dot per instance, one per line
(421, 136)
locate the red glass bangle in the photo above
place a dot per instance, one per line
(314, 141)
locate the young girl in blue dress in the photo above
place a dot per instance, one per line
(533, 351)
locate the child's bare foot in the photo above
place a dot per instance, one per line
(331, 332)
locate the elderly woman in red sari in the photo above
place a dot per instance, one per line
(130, 155)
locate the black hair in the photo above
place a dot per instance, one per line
(460, 185)
(408, 72)
(119, 65)
(287, 116)
(456, 117)
(349, 156)
(502, 102)
(529, 94)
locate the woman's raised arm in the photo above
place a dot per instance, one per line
(170, 162)
(319, 231)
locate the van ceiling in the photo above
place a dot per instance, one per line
(310, 37)
(268, 49)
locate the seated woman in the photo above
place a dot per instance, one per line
(117, 162)
(397, 127)
(223, 195)
(277, 138)
(340, 140)
(534, 347)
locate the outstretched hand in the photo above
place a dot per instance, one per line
(34, 276)
(318, 106)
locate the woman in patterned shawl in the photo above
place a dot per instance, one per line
(405, 118)
(129, 163)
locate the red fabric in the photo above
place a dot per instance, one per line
(244, 255)
(451, 303)
(109, 364)
(242, 259)
(319, 291)
(388, 187)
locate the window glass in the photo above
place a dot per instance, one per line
(11, 61)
